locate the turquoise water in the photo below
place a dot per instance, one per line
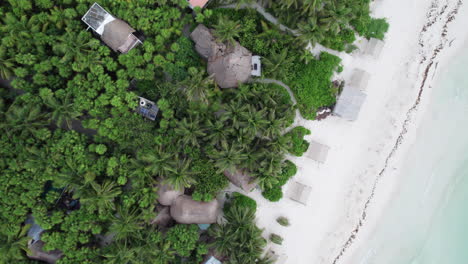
(427, 221)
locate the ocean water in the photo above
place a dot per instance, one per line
(427, 221)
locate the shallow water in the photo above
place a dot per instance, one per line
(427, 222)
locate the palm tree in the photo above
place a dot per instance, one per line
(311, 32)
(74, 45)
(156, 162)
(14, 245)
(218, 132)
(63, 111)
(126, 223)
(228, 157)
(276, 62)
(24, 120)
(197, 87)
(227, 30)
(234, 112)
(189, 131)
(180, 176)
(119, 253)
(100, 196)
(6, 65)
(254, 120)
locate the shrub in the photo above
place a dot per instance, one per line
(209, 181)
(289, 169)
(183, 239)
(242, 201)
(273, 194)
(312, 85)
(276, 239)
(297, 144)
(282, 221)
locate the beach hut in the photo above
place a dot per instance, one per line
(205, 43)
(317, 151)
(187, 211)
(163, 218)
(299, 192)
(359, 79)
(241, 179)
(256, 66)
(374, 47)
(197, 3)
(147, 108)
(231, 66)
(212, 260)
(167, 195)
(116, 33)
(349, 103)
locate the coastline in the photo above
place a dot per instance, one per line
(339, 215)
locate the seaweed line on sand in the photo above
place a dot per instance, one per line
(432, 18)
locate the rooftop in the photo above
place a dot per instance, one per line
(147, 109)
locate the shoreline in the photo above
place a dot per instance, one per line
(345, 189)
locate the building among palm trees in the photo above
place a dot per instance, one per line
(230, 64)
(147, 108)
(212, 260)
(35, 244)
(187, 211)
(197, 3)
(116, 33)
(241, 179)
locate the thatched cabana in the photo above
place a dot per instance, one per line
(37, 253)
(116, 33)
(299, 192)
(241, 179)
(205, 43)
(187, 211)
(163, 219)
(349, 103)
(167, 195)
(317, 151)
(231, 67)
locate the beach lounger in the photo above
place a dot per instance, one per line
(299, 192)
(359, 79)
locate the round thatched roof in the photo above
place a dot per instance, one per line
(187, 211)
(116, 33)
(167, 194)
(232, 67)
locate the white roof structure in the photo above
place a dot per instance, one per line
(349, 103)
(213, 260)
(256, 66)
(317, 151)
(199, 3)
(359, 79)
(374, 47)
(97, 17)
(299, 192)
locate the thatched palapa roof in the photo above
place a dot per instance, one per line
(167, 195)
(187, 211)
(230, 64)
(231, 67)
(118, 36)
(241, 179)
(163, 219)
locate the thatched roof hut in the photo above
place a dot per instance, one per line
(187, 211)
(241, 179)
(37, 253)
(163, 219)
(349, 103)
(231, 67)
(116, 33)
(205, 44)
(167, 195)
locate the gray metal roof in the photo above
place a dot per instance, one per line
(213, 260)
(95, 16)
(147, 109)
(349, 103)
(35, 230)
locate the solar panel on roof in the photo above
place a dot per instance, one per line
(95, 16)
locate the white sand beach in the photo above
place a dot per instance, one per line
(352, 187)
